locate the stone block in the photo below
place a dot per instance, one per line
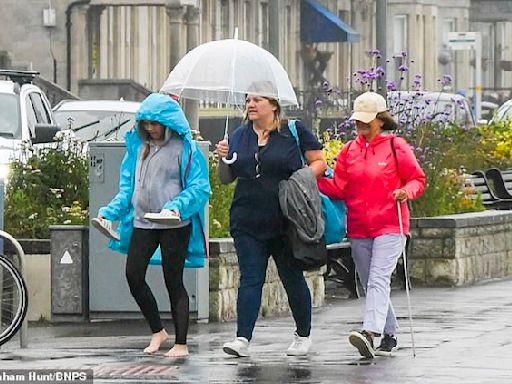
(221, 246)
(228, 304)
(497, 242)
(465, 269)
(37, 272)
(215, 306)
(436, 233)
(441, 273)
(449, 248)
(214, 277)
(417, 271)
(426, 248)
(224, 277)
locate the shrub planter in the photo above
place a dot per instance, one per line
(224, 276)
(461, 249)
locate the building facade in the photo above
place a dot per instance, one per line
(141, 40)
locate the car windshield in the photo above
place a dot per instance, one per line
(10, 122)
(96, 125)
(432, 107)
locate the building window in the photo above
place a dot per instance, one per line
(400, 34)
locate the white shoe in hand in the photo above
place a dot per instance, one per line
(165, 216)
(105, 227)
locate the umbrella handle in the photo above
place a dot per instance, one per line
(232, 160)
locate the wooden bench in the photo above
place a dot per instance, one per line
(341, 268)
(478, 181)
(501, 182)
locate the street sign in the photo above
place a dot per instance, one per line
(462, 40)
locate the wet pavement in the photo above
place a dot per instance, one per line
(462, 335)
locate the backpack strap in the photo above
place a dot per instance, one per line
(293, 131)
(392, 143)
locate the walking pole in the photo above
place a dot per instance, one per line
(398, 204)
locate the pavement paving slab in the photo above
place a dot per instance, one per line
(461, 335)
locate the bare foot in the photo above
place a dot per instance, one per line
(156, 340)
(179, 350)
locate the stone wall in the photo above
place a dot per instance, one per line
(224, 275)
(37, 276)
(461, 249)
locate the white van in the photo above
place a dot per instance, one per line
(25, 115)
(97, 120)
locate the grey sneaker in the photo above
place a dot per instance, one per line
(105, 227)
(363, 342)
(238, 347)
(388, 343)
(300, 346)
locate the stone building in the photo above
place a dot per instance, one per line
(140, 40)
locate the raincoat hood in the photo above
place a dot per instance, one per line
(161, 108)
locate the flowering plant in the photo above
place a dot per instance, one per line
(47, 186)
(439, 128)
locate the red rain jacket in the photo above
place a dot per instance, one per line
(366, 176)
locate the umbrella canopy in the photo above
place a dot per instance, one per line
(224, 71)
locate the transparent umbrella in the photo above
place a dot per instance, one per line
(225, 71)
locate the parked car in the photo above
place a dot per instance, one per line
(432, 106)
(504, 111)
(93, 120)
(25, 115)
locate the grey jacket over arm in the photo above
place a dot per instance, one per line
(300, 203)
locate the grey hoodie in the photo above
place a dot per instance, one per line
(157, 179)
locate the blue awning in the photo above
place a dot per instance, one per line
(319, 25)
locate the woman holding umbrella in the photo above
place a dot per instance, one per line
(267, 153)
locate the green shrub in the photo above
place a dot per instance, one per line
(220, 201)
(47, 186)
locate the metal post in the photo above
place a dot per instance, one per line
(478, 77)
(380, 32)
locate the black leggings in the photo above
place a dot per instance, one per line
(173, 245)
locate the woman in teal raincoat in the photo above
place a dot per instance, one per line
(163, 176)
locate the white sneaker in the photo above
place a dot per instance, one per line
(105, 227)
(163, 217)
(300, 346)
(238, 347)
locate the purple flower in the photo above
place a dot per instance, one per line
(374, 52)
(403, 68)
(318, 103)
(446, 79)
(390, 85)
(403, 54)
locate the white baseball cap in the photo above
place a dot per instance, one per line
(367, 105)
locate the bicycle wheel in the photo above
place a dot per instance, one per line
(13, 299)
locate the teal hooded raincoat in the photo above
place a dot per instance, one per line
(194, 177)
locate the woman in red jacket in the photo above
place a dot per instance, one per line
(372, 173)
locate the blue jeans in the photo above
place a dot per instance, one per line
(253, 255)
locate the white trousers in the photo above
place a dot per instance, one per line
(375, 261)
